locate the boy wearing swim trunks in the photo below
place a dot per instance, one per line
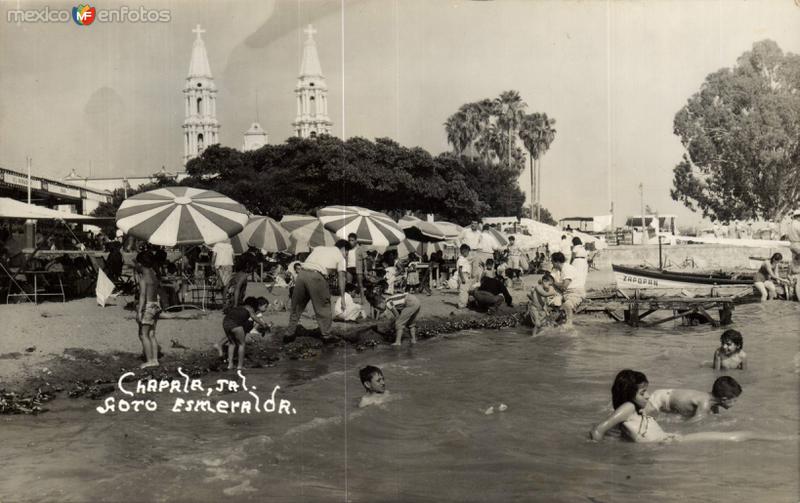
(149, 308)
(696, 404)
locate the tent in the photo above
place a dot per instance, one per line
(551, 235)
(11, 208)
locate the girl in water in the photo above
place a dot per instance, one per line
(630, 397)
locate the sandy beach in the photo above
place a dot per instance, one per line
(80, 348)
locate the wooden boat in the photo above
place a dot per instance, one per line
(646, 278)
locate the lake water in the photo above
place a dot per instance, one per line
(434, 441)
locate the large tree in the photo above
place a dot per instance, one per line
(537, 133)
(741, 133)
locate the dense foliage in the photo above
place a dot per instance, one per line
(741, 133)
(302, 175)
(492, 129)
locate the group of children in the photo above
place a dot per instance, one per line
(634, 404)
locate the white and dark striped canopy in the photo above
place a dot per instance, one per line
(267, 234)
(173, 216)
(451, 230)
(306, 232)
(371, 227)
(240, 241)
(420, 230)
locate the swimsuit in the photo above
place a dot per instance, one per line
(150, 313)
(640, 427)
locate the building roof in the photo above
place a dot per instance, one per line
(199, 67)
(255, 130)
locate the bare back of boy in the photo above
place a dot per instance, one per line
(686, 402)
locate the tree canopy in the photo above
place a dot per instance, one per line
(741, 133)
(302, 175)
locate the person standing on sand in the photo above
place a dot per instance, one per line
(223, 262)
(148, 309)
(312, 284)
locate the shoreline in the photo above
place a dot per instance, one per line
(79, 349)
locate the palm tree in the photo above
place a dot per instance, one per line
(537, 133)
(510, 111)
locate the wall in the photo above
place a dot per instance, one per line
(705, 256)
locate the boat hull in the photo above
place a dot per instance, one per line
(635, 277)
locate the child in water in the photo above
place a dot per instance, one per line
(401, 308)
(238, 322)
(730, 355)
(539, 305)
(697, 404)
(630, 399)
(373, 382)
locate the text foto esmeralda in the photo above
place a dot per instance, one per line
(185, 385)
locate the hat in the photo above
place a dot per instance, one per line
(796, 213)
(120, 233)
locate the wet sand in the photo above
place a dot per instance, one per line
(80, 348)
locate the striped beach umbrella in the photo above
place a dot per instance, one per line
(240, 241)
(451, 230)
(420, 230)
(267, 234)
(498, 236)
(306, 232)
(371, 227)
(295, 222)
(406, 247)
(173, 216)
(434, 246)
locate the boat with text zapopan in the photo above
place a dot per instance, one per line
(644, 278)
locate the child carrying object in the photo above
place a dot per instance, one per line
(630, 399)
(238, 322)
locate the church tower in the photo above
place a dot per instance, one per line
(312, 93)
(200, 128)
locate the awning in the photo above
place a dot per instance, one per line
(11, 208)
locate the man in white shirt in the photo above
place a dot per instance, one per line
(223, 262)
(472, 238)
(566, 248)
(570, 283)
(312, 284)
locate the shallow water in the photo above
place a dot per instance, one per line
(433, 441)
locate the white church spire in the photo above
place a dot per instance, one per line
(198, 66)
(200, 127)
(312, 93)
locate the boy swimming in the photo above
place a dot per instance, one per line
(630, 398)
(730, 355)
(696, 404)
(372, 380)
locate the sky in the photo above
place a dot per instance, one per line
(106, 100)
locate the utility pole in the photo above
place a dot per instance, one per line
(28, 162)
(641, 200)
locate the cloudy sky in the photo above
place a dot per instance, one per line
(107, 97)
